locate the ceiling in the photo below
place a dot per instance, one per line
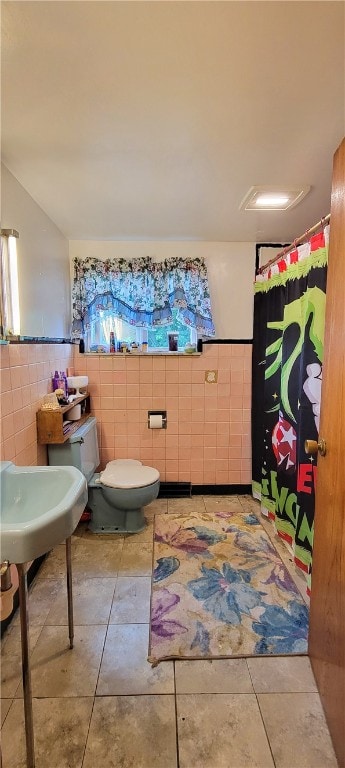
(151, 120)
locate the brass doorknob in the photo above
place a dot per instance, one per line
(312, 447)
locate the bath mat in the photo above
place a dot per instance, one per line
(221, 590)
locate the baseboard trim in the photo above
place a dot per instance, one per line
(185, 490)
(174, 490)
(221, 490)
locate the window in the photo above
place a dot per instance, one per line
(156, 338)
(9, 309)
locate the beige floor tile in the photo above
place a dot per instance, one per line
(96, 557)
(92, 599)
(41, 595)
(92, 557)
(58, 670)
(188, 506)
(219, 676)
(214, 504)
(54, 566)
(4, 707)
(285, 674)
(136, 559)
(297, 730)
(157, 507)
(125, 669)
(60, 729)
(248, 503)
(144, 536)
(131, 604)
(132, 732)
(11, 675)
(11, 660)
(11, 641)
(221, 730)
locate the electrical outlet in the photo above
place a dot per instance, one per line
(211, 377)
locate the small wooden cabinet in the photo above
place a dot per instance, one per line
(51, 425)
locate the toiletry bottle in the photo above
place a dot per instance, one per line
(56, 381)
(81, 346)
(62, 382)
(112, 347)
(65, 383)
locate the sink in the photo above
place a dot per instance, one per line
(40, 507)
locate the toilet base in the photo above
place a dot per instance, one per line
(132, 521)
(107, 519)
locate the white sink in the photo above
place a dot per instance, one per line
(40, 507)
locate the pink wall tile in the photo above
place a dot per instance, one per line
(17, 399)
(222, 477)
(8, 449)
(4, 356)
(159, 377)
(197, 453)
(6, 403)
(145, 377)
(14, 378)
(8, 426)
(120, 390)
(172, 467)
(222, 452)
(158, 363)
(120, 403)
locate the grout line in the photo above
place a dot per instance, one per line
(88, 731)
(262, 719)
(176, 723)
(265, 729)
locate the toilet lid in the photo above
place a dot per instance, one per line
(128, 473)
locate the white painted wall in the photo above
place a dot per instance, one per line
(230, 268)
(43, 263)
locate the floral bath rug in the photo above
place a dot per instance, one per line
(221, 590)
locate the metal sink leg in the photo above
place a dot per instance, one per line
(26, 671)
(69, 591)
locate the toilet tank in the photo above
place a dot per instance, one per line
(80, 450)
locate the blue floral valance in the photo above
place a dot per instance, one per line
(142, 292)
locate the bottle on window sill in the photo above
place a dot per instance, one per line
(112, 343)
(81, 346)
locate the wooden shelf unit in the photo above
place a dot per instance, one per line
(50, 423)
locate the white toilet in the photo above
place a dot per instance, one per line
(118, 494)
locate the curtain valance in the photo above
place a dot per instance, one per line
(142, 292)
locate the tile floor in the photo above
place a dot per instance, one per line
(101, 705)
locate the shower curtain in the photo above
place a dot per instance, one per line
(289, 314)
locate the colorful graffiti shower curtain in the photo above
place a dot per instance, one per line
(289, 315)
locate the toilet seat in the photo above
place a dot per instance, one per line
(128, 473)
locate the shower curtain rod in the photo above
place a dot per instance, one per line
(298, 241)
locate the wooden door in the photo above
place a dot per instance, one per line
(327, 609)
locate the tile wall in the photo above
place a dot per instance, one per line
(25, 377)
(207, 440)
(208, 436)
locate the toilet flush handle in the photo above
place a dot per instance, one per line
(81, 440)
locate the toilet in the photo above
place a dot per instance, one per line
(117, 495)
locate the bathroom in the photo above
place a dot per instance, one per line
(207, 442)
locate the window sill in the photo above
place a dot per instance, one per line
(143, 354)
